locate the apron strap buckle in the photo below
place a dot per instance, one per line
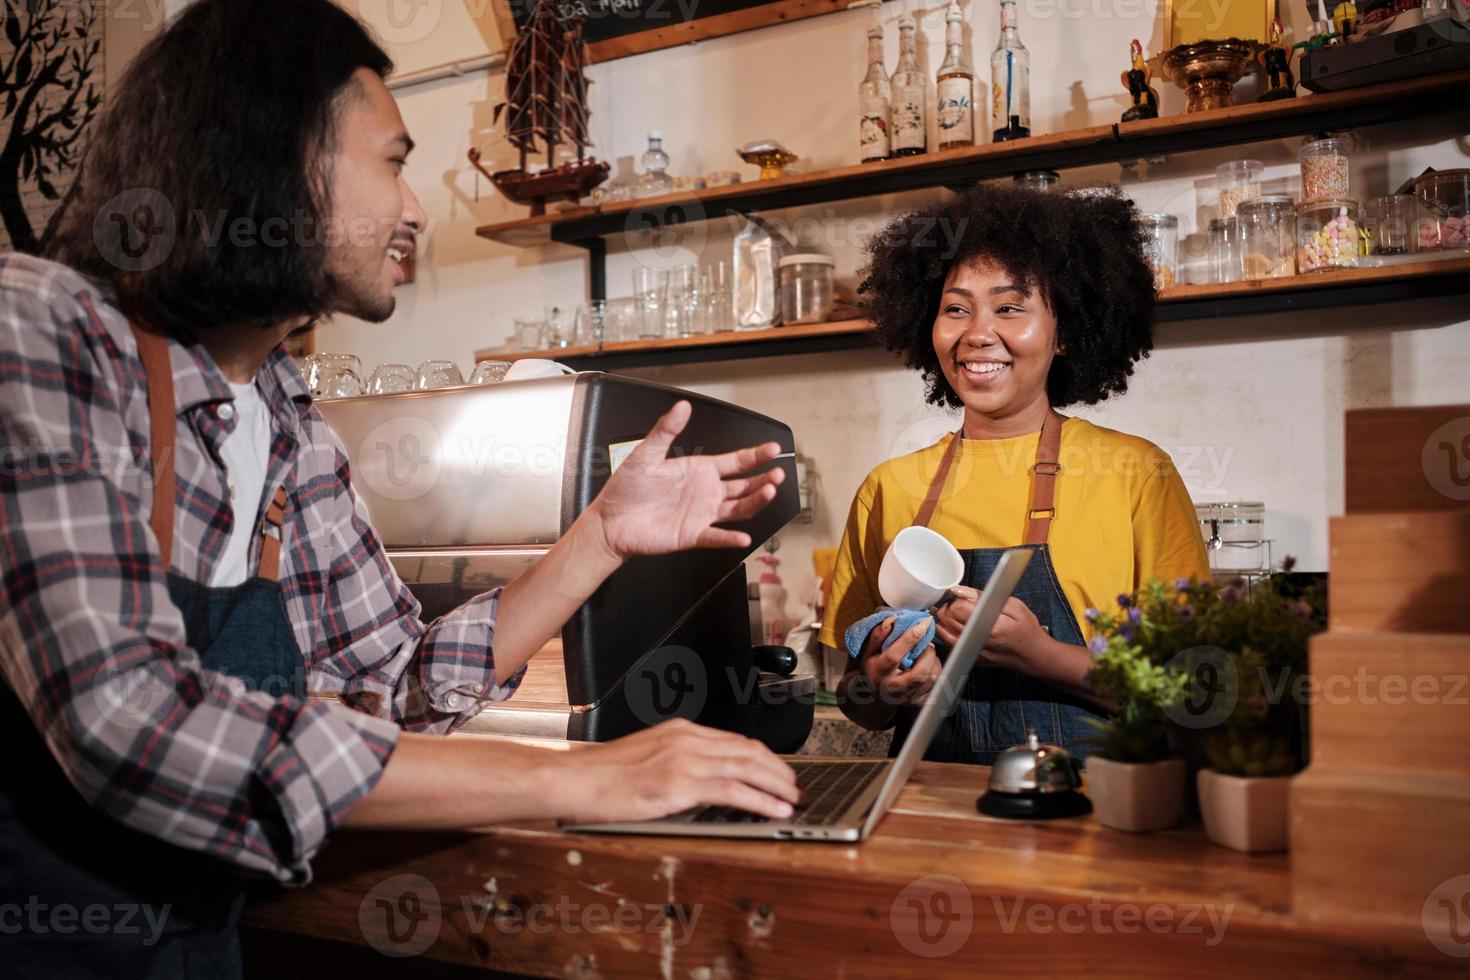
(271, 535)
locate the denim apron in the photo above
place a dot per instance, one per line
(998, 706)
(138, 906)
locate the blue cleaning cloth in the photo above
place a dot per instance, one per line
(857, 633)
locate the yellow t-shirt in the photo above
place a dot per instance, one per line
(1123, 516)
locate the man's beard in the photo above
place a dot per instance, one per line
(359, 298)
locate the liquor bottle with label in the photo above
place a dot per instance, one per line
(955, 106)
(874, 103)
(910, 90)
(1010, 81)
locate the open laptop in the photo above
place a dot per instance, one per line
(845, 798)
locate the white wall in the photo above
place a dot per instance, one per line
(1250, 408)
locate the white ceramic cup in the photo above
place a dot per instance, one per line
(536, 367)
(920, 566)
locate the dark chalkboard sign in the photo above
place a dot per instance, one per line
(618, 28)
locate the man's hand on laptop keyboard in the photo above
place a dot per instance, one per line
(673, 767)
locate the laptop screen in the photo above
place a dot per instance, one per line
(946, 693)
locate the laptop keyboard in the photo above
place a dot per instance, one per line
(830, 787)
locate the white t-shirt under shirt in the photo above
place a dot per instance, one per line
(245, 453)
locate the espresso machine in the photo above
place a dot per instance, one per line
(469, 486)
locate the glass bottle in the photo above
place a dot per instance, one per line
(909, 87)
(874, 102)
(1010, 78)
(655, 180)
(956, 108)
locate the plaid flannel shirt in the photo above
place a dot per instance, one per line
(93, 647)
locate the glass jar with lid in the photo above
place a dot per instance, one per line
(806, 287)
(1324, 166)
(1267, 236)
(1327, 235)
(1391, 224)
(1235, 534)
(1238, 180)
(1161, 247)
(1038, 180)
(1445, 197)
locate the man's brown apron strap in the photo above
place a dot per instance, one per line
(270, 537)
(153, 349)
(162, 426)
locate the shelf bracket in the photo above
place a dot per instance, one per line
(596, 265)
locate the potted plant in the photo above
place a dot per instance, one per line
(1249, 647)
(1135, 779)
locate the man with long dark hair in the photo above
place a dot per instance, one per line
(178, 531)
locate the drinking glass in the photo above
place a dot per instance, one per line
(489, 372)
(720, 297)
(339, 382)
(592, 322)
(621, 323)
(438, 374)
(680, 302)
(560, 328)
(529, 334)
(327, 365)
(388, 379)
(651, 290)
(1225, 256)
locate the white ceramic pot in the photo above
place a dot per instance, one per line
(1248, 814)
(1136, 795)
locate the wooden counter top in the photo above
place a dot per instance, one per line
(940, 890)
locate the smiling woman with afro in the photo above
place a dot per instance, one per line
(1011, 304)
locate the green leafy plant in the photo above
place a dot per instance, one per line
(1141, 692)
(1253, 639)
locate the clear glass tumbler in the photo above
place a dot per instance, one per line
(651, 290)
(489, 372)
(683, 283)
(592, 322)
(389, 379)
(720, 297)
(530, 334)
(1225, 249)
(438, 374)
(561, 328)
(339, 371)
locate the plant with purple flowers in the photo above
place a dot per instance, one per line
(1141, 687)
(1261, 631)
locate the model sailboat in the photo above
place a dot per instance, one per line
(546, 107)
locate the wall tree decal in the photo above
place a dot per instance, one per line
(50, 88)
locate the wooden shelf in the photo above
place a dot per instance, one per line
(1412, 98)
(723, 346)
(1346, 287)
